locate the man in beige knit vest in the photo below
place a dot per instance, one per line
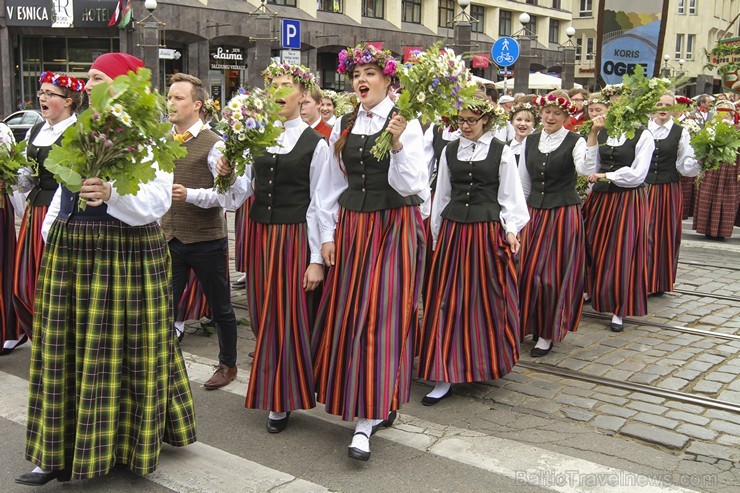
(194, 226)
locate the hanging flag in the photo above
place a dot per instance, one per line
(116, 17)
(126, 16)
(629, 33)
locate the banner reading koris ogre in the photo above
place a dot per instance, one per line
(629, 33)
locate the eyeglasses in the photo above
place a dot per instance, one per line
(469, 121)
(49, 94)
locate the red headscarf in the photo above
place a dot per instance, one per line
(115, 64)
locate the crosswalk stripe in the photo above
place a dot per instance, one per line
(524, 463)
(203, 468)
(197, 468)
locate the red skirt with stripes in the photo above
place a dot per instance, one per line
(552, 271)
(471, 320)
(616, 245)
(364, 333)
(717, 202)
(282, 317)
(9, 327)
(193, 304)
(688, 192)
(241, 230)
(664, 204)
(29, 251)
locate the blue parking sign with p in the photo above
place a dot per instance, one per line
(291, 34)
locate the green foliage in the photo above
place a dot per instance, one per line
(635, 106)
(12, 159)
(716, 144)
(119, 138)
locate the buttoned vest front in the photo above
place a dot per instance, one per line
(474, 195)
(188, 222)
(615, 157)
(553, 174)
(663, 164)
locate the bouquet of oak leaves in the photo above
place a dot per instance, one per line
(119, 138)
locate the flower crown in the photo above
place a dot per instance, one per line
(524, 106)
(300, 74)
(365, 53)
(552, 100)
(613, 90)
(329, 94)
(684, 100)
(605, 102)
(61, 80)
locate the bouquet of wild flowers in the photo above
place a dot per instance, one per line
(437, 85)
(249, 125)
(118, 138)
(636, 105)
(12, 160)
(716, 144)
(345, 103)
(691, 125)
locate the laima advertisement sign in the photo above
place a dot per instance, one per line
(631, 34)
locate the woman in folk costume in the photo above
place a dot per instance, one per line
(687, 119)
(552, 269)
(364, 333)
(59, 97)
(470, 330)
(524, 118)
(284, 264)
(673, 158)
(718, 192)
(10, 330)
(615, 216)
(107, 380)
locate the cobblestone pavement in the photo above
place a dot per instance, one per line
(693, 364)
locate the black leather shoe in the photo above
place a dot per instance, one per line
(277, 425)
(430, 401)
(355, 453)
(616, 327)
(41, 478)
(386, 423)
(239, 284)
(6, 351)
(537, 352)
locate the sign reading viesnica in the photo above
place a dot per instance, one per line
(59, 13)
(225, 58)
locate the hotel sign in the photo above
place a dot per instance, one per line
(63, 14)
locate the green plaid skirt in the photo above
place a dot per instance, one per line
(108, 382)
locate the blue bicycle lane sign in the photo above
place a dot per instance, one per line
(505, 51)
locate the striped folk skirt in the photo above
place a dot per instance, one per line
(9, 328)
(616, 245)
(664, 204)
(688, 192)
(470, 331)
(364, 333)
(552, 272)
(241, 235)
(28, 254)
(717, 201)
(282, 314)
(193, 304)
(107, 382)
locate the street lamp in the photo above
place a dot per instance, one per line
(569, 59)
(151, 30)
(462, 28)
(525, 38)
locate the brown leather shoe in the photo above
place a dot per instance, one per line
(222, 377)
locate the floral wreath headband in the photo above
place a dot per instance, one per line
(684, 100)
(524, 106)
(605, 102)
(613, 90)
(365, 53)
(300, 74)
(61, 80)
(552, 100)
(329, 94)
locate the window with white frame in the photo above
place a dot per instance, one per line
(681, 7)
(590, 48)
(579, 48)
(329, 6)
(477, 12)
(373, 8)
(554, 36)
(411, 11)
(692, 7)
(445, 12)
(587, 8)
(679, 46)
(690, 43)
